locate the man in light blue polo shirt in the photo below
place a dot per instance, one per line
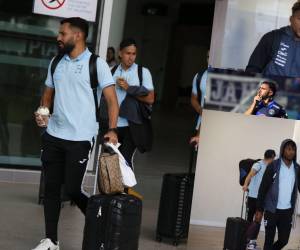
(198, 97)
(126, 77)
(277, 196)
(253, 180)
(197, 102)
(251, 184)
(72, 126)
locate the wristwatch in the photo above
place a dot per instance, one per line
(113, 130)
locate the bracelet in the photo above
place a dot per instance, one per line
(113, 130)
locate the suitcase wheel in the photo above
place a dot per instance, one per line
(175, 243)
(158, 238)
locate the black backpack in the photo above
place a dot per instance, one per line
(93, 77)
(245, 168)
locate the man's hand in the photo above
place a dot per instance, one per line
(41, 120)
(121, 82)
(245, 188)
(257, 98)
(250, 110)
(195, 140)
(258, 216)
(111, 136)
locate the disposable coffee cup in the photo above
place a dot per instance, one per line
(44, 113)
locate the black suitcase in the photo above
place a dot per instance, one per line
(235, 232)
(175, 204)
(112, 222)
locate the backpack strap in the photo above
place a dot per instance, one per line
(140, 74)
(54, 64)
(114, 68)
(94, 82)
(198, 83)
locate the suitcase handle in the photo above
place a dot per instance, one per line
(192, 155)
(243, 202)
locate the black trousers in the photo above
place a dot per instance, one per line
(251, 208)
(254, 227)
(127, 147)
(64, 162)
(282, 220)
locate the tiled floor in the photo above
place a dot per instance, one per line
(22, 225)
(22, 221)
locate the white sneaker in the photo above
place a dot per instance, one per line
(252, 245)
(46, 244)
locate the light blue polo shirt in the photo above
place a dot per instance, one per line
(203, 91)
(73, 115)
(131, 76)
(260, 168)
(286, 185)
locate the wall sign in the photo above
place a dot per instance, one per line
(67, 8)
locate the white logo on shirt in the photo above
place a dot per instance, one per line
(282, 54)
(82, 161)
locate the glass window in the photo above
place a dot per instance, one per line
(27, 44)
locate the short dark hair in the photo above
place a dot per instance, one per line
(127, 42)
(272, 85)
(295, 7)
(269, 154)
(79, 23)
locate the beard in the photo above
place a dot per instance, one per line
(66, 48)
(266, 96)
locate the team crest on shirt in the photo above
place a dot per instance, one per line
(78, 69)
(271, 112)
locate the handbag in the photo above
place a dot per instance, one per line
(127, 175)
(109, 174)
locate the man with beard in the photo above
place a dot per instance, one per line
(277, 196)
(71, 128)
(278, 51)
(263, 103)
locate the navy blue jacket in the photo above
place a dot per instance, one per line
(267, 198)
(277, 53)
(138, 115)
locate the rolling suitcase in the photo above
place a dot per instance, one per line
(112, 222)
(175, 204)
(235, 232)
